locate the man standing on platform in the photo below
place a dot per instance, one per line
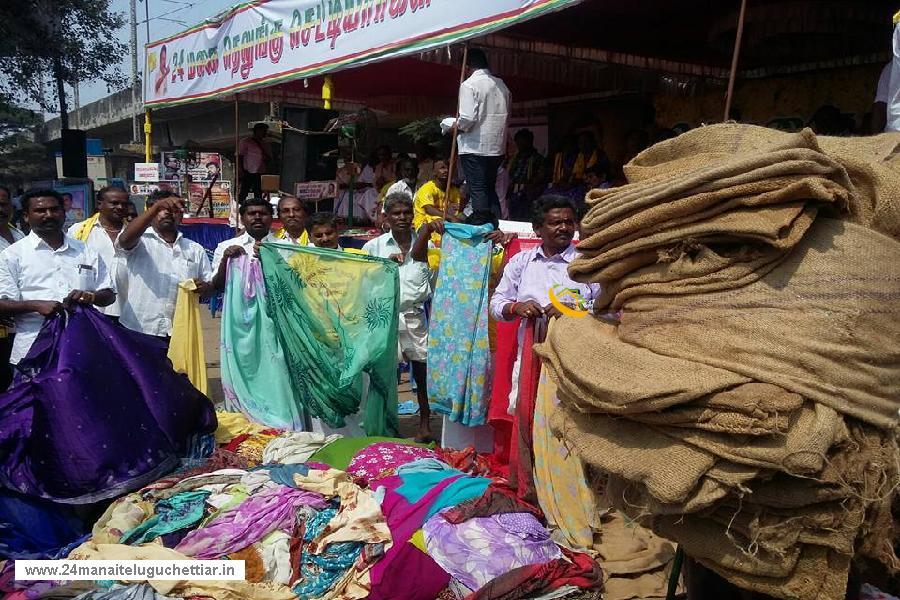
(156, 259)
(255, 154)
(256, 219)
(100, 231)
(46, 269)
(484, 103)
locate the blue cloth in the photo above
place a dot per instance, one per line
(423, 465)
(410, 407)
(319, 572)
(173, 514)
(284, 474)
(417, 484)
(459, 352)
(208, 235)
(31, 528)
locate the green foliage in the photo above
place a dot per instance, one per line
(427, 131)
(41, 40)
(20, 158)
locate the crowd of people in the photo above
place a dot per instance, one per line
(131, 270)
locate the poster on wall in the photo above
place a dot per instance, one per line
(201, 166)
(75, 201)
(147, 188)
(314, 191)
(221, 199)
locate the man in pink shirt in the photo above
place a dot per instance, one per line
(255, 153)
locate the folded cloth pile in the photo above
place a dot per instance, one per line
(744, 399)
(323, 518)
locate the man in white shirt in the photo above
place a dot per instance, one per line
(408, 183)
(365, 196)
(100, 231)
(484, 103)
(156, 259)
(256, 218)
(47, 270)
(255, 153)
(415, 290)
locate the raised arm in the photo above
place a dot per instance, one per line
(419, 250)
(129, 238)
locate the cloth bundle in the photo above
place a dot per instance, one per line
(745, 403)
(458, 346)
(68, 433)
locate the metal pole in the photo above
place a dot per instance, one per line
(734, 59)
(453, 147)
(77, 99)
(147, 20)
(148, 137)
(135, 102)
(237, 147)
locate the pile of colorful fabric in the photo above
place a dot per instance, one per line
(316, 517)
(739, 393)
(68, 431)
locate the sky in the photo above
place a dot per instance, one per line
(164, 20)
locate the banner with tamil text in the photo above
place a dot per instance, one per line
(265, 42)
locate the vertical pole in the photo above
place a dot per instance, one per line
(237, 145)
(61, 92)
(148, 137)
(135, 102)
(734, 59)
(77, 100)
(147, 21)
(453, 147)
(352, 188)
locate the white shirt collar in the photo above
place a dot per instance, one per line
(35, 241)
(155, 234)
(567, 255)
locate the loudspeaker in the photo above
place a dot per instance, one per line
(74, 153)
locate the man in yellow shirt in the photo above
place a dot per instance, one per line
(429, 201)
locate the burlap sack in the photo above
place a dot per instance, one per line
(705, 539)
(627, 548)
(722, 480)
(823, 324)
(820, 574)
(601, 374)
(749, 409)
(670, 470)
(634, 587)
(610, 225)
(834, 525)
(795, 170)
(813, 431)
(689, 268)
(871, 164)
(701, 258)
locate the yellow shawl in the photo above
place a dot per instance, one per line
(86, 226)
(282, 234)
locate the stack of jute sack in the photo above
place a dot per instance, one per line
(744, 399)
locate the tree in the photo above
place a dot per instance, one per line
(64, 41)
(21, 159)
